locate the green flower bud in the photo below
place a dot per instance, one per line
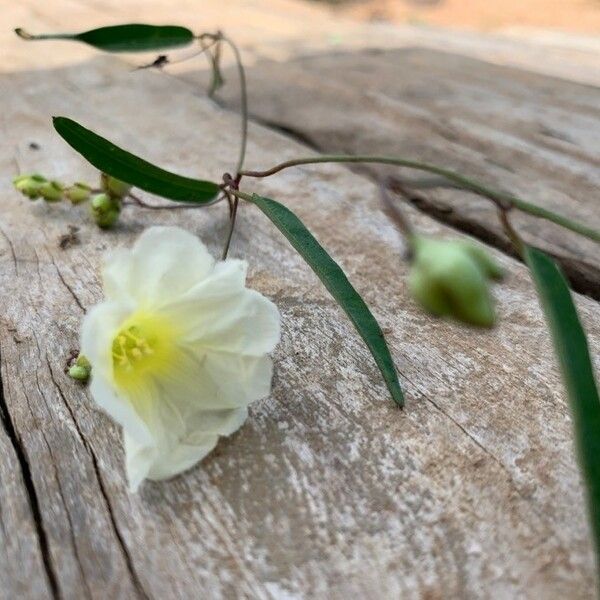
(450, 278)
(105, 210)
(29, 185)
(78, 193)
(79, 373)
(80, 369)
(51, 191)
(486, 263)
(113, 186)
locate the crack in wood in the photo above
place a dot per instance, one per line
(125, 551)
(126, 555)
(69, 288)
(12, 250)
(32, 497)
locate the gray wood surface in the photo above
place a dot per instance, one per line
(529, 134)
(328, 491)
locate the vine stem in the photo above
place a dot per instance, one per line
(234, 207)
(243, 101)
(141, 204)
(511, 232)
(502, 199)
(395, 212)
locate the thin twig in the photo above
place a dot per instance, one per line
(243, 101)
(141, 204)
(511, 232)
(395, 212)
(203, 49)
(501, 199)
(234, 206)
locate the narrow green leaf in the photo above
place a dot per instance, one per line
(576, 366)
(334, 279)
(133, 37)
(111, 159)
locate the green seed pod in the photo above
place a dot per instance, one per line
(79, 373)
(105, 210)
(51, 191)
(450, 278)
(78, 193)
(113, 186)
(29, 185)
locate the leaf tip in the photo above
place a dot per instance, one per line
(57, 121)
(24, 35)
(398, 398)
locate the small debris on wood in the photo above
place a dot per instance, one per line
(66, 240)
(71, 358)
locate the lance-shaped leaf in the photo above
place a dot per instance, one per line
(334, 279)
(574, 358)
(123, 165)
(132, 37)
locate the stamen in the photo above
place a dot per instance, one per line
(145, 346)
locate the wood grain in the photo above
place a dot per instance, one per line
(328, 491)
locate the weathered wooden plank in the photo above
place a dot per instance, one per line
(328, 490)
(529, 134)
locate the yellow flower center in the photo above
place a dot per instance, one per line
(145, 346)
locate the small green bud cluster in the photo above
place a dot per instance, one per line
(106, 206)
(37, 186)
(80, 369)
(451, 278)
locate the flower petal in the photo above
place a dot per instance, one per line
(115, 275)
(206, 427)
(239, 380)
(164, 262)
(139, 459)
(222, 314)
(121, 410)
(223, 422)
(165, 427)
(225, 280)
(248, 325)
(167, 457)
(181, 457)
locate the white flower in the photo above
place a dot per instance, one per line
(178, 349)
